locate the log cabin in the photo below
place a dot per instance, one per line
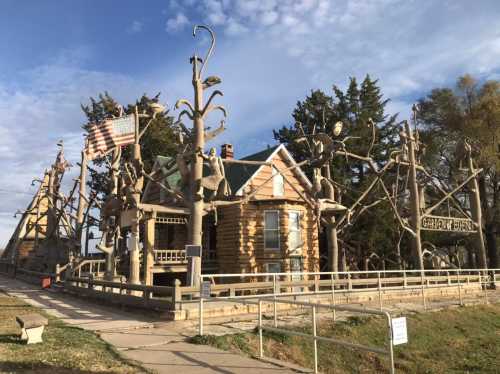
(268, 222)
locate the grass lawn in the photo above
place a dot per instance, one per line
(458, 340)
(65, 349)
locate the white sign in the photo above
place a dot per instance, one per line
(205, 290)
(399, 331)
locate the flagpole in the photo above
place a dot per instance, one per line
(81, 199)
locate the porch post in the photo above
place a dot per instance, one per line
(148, 249)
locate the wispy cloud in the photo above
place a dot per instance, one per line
(177, 23)
(135, 27)
(35, 114)
(269, 54)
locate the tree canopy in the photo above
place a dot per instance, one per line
(159, 139)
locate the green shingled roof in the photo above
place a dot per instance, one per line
(236, 174)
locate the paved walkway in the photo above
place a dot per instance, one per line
(161, 347)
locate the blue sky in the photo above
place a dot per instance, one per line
(269, 54)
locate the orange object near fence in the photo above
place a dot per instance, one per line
(45, 282)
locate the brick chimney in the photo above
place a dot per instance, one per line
(226, 151)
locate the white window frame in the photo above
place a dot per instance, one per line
(278, 183)
(278, 229)
(299, 230)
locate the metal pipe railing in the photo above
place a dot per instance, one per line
(389, 351)
(249, 285)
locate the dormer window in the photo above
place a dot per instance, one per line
(278, 183)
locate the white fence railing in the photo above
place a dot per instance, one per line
(94, 267)
(273, 284)
(387, 350)
(169, 256)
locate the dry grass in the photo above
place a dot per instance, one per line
(65, 349)
(464, 340)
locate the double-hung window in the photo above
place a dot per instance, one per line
(271, 229)
(294, 233)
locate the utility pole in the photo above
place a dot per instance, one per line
(414, 199)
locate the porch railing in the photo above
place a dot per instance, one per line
(170, 256)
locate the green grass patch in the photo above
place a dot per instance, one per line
(65, 349)
(458, 340)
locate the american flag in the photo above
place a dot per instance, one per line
(109, 134)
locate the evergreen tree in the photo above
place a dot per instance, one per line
(354, 108)
(159, 138)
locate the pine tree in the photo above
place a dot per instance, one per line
(159, 139)
(354, 108)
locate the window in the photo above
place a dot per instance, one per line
(272, 267)
(164, 236)
(271, 229)
(294, 233)
(278, 183)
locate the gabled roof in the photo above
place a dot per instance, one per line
(238, 175)
(241, 175)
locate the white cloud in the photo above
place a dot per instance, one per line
(136, 27)
(35, 114)
(177, 23)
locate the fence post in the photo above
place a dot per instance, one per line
(316, 283)
(379, 290)
(405, 281)
(177, 296)
(449, 279)
(349, 284)
(423, 289)
(315, 340)
(275, 308)
(485, 281)
(459, 288)
(333, 296)
(261, 344)
(200, 312)
(391, 346)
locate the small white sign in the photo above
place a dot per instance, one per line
(205, 290)
(399, 331)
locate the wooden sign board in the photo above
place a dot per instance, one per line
(450, 224)
(193, 250)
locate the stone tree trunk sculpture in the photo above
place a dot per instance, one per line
(197, 113)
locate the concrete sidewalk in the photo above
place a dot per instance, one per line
(162, 347)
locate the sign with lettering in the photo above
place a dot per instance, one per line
(399, 331)
(205, 289)
(437, 223)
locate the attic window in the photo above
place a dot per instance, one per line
(278, 183)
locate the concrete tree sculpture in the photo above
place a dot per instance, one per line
(197, 113)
